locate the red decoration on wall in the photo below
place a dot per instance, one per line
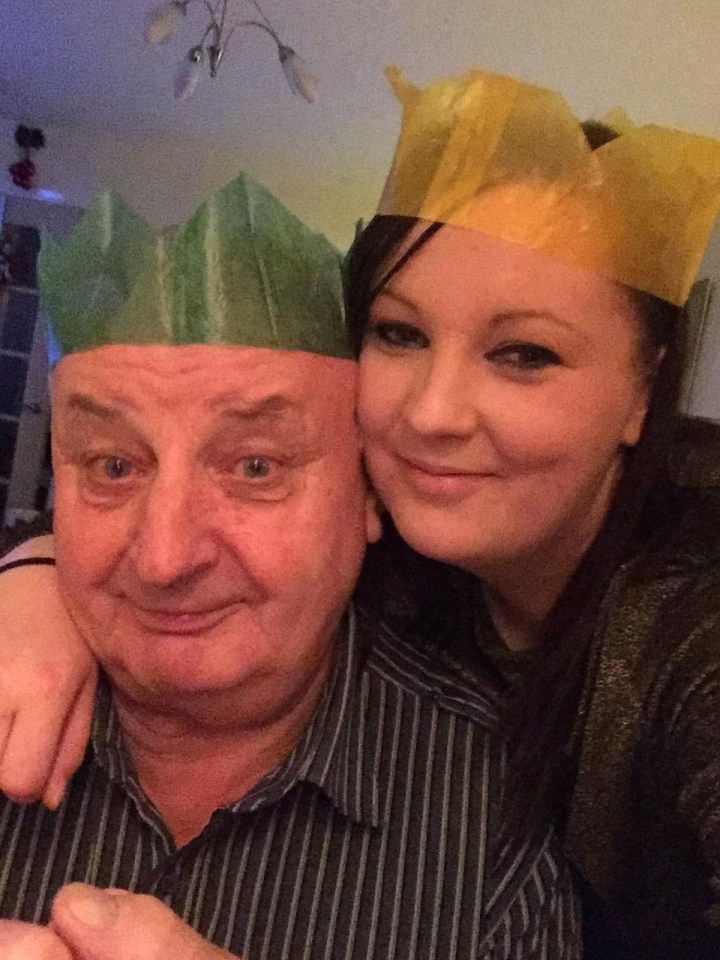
(24, 171)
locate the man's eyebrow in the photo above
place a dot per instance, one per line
(269, 408)
(86, 404)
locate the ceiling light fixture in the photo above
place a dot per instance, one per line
(163, 23)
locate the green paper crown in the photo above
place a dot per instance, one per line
(243, 270)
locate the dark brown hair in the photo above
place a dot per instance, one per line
(542, 711)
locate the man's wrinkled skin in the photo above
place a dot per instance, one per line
(211, 518)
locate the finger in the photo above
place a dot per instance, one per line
(73, 744)
(22, 941)
(30, 749)
(7, 718)
(98, 925)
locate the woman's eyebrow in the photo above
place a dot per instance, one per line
(509, 316)
(390, 293)
(526, 314)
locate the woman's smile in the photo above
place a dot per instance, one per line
(440, 480)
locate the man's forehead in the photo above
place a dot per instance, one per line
(257, 379)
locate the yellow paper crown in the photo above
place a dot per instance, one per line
(638, 209)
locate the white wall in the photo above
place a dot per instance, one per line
(166, 181)
(704, 399)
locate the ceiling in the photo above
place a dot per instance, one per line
(82, 64)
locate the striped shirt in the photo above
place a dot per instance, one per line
(373, 839)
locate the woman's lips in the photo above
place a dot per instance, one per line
(441, 481)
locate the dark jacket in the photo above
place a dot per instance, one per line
(644, 823)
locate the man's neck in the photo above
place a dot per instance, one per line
(189, 769)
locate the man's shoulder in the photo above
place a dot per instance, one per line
(395, 661)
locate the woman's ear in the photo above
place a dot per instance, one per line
(646, 382)
(373, 514)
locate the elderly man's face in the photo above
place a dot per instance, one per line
(211, 515)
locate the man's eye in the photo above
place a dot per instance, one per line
(396, 334)
(111, 468)
(255, 468)
(525, 356)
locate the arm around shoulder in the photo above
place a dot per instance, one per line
(47, 680)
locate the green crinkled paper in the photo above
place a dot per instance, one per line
(242, 270)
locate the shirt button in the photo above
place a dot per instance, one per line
(166, 884)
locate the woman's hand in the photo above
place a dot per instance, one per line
(47, 682)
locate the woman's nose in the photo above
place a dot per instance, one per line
(441, 400)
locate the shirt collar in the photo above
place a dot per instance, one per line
(336, 753)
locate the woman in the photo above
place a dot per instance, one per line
(519, 423)
(518, 398)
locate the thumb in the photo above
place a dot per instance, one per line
(24, 941)
(116, 925)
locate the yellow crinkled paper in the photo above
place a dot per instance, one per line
(494, 154)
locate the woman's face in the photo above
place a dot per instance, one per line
(497, 388)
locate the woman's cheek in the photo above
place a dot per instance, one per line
(527, 430)
(379, 400)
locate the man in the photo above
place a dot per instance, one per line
(286, 775)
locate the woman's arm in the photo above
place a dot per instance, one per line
(47, 681)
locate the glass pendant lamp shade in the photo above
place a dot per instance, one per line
(188, 73)
(162, 24)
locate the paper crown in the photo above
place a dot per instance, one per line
(638, 209)
(243, 270)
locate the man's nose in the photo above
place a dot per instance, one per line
(442, 400)
(173, 540)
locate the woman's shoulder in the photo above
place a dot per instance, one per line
(658, 638)
(695, 460)
(662, 610)
(682, 532)
(649, 772)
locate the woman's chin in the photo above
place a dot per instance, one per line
(477, 547)
(435, 539)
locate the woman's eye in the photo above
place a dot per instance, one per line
(525, 356)
(396, 334)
